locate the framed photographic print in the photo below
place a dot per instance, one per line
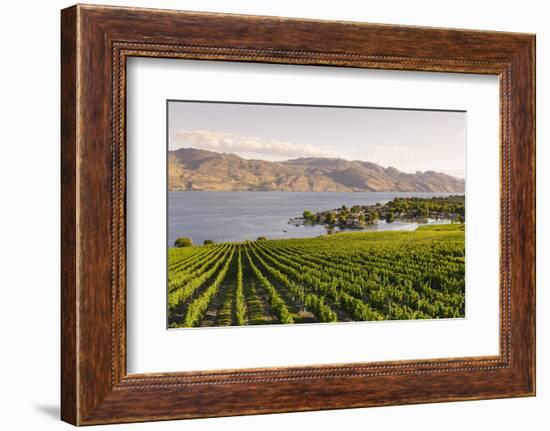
(267, 215)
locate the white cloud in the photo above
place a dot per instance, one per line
(399, 148)
(401, 157)
(245, 146)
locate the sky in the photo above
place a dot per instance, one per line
(409, 140)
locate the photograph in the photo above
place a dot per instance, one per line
(295, 214)
(288, 212)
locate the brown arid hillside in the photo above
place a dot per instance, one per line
(193, 169)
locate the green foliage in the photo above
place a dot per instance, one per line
(309, 216)
(275, 301)
(185, 286)
(316, 304)
(347, 277)
(240, 306)
(183, 242)
(446, 205)
(407, 209)
(358, 309)
(197, 308)
(261, 238)
(441, 227)
(208, 242)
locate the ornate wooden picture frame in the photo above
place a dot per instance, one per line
(96, 41)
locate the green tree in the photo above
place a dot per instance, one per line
(308, 215)
(208, 242)
(331, 218)
(183, 242)
(390, 217)
(261, 238)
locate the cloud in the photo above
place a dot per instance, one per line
(245, 146)
(390, 148)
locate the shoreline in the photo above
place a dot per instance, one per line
(234, 216)
(433, 227)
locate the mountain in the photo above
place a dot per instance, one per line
(194, 169)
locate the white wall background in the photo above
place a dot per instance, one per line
(29, 215)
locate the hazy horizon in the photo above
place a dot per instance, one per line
(408, 140)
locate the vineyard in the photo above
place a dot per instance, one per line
(333, 278)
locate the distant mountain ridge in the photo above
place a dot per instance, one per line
(201, 170)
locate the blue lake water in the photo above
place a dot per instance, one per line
(238, 216)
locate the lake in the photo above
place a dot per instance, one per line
(238, 216)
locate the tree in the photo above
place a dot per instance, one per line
(398, 207)
(183, 242)
(375, 215)
(261, 238)
(390, 217)
(208, 242)
(308, 215)
(331, 218)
